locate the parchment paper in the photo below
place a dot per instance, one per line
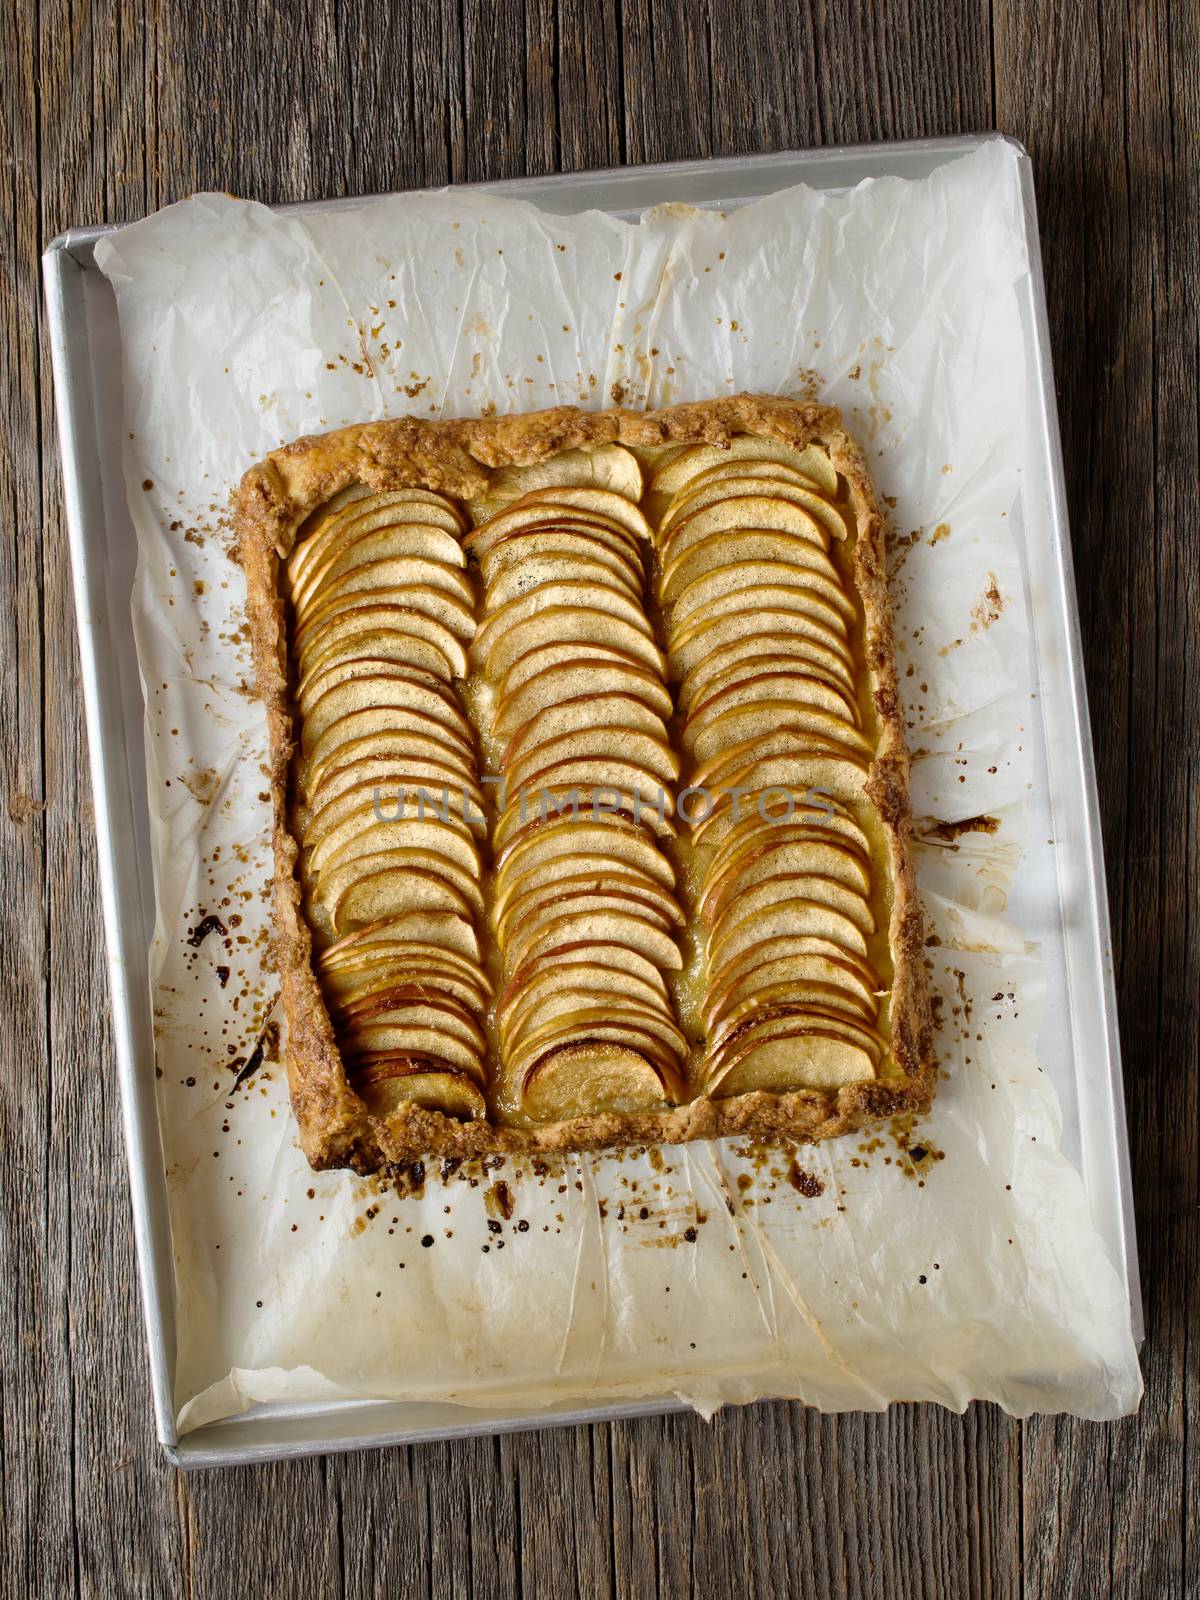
(950, 1261)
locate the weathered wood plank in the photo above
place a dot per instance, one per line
(1108, 108)
(113, 109)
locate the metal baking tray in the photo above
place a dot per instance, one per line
(1079, 1044)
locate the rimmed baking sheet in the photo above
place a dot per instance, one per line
(1078, 1041)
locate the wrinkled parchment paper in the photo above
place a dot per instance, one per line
(948, 1261)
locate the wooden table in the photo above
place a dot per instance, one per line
(115, 109)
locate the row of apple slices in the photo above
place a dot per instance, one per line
(584, 911)
(389, 809)
(761, 639)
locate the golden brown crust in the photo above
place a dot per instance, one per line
(336, 1128)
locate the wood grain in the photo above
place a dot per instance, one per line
(112, 109)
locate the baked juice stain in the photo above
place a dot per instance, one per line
(499, 1201)
(206, 925)
(804, 1183)
(266, 1048)
(949, 831)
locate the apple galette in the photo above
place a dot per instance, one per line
(590, 792)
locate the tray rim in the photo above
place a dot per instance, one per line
(70, 253)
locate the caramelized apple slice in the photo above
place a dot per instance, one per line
(574, 680)
(831, 858)
(603, 502)
(385, 542)
(579, 624)
(805, 1057)
(540, 572)
(587, 880)
(543, 850)
(718, 585)
(714, 551)
(608, 466)
(439, 604)
(811, 462)
(359, 625)
(391, 1083)
(757, 722)
(580, 979)
(442, 932)
(774, 981)
(590, 1078)
(634, 933)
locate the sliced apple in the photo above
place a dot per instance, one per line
(812, 461)
(329, 642)
(565, 624)
(348, 513)
(699, 639)
(639, 741)
(545, 570)
(394, 1082)
(401, 576)
(772, 859)
(747, 653)
(741, 726)
(775, 980)
(574, 676)
(415, 1007)
(736, 515)
(786, 683)
(590, 1078)
(788, 789)
(607, 466)
(697, 499)
(392, 688)
(362, 831)
(540, 844)
(652, 1036)
(798, 553)
(385, 1035)
(522, 932)
(750, 467)
(615, 927)
(383, 542)
(717, 586)
(600, 954)
(575, 1011)
(617, 505)
(796, 918)
(803, 1058)
(585, 890)
(366, 736)
(577, 978)
(522, 519)
(352, 658)
(441, 931)
(350, 983)
(740, 765)
(616, 779)
(396, 781)
(777, 1021)
(762, 898)
(593, 597)
(449, 609)
(390, 883)
(592, 543)
(386, 891)
(766, 599)
(383, 723)
(762, 956)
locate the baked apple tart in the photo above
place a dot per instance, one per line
(590, 795)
